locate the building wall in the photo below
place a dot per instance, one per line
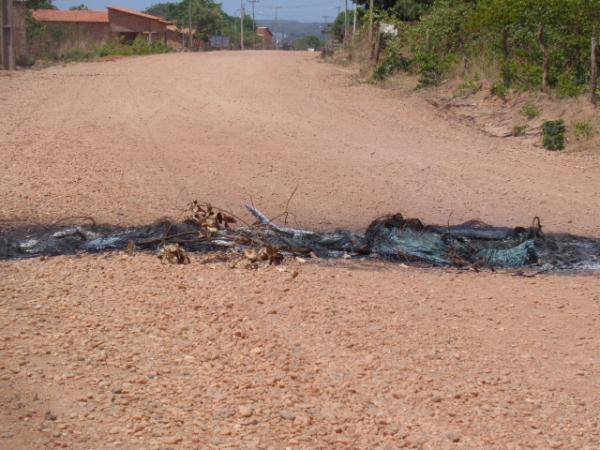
(19, 41)
(20, 32)
(174, 39)
(267, 39)
(121, 22)
(57, 38)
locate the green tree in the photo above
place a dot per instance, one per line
(39, 4)
(336, 28)
(402, 9)
(207, 17)
(306, 42)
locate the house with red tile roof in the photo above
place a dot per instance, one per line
(129, 24)
(86, 29)
(266, 37)
(75, 16)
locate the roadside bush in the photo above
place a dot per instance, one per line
(526, 77)
(33, 28)
(530, 110)
(78, 54)
(380, 73)
(553, 132)
(141, 46)
(530, 45)
(25, 61)
(583, 130)
(499, 89)
(392, 61)
(306, 42)
(437, 40)
(432, 68)
(114, 48)
(468, 87)
(519, 130)
(567, 86)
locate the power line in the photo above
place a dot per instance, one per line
(265, 7)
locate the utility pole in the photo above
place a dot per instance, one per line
(6, 41)
(371, 22)
(594, 68)
(242, 15)
(346, 23)
(191, 42)
(339, 8)
(253, 22)
(276, 25)
(325, 30)
(354, 25)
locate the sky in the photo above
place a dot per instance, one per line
(300, 10)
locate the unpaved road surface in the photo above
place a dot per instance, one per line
(119, 351)
(136, 139)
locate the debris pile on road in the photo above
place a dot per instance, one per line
(208, 229)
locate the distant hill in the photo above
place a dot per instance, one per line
(292, 29)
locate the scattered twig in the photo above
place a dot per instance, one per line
(264, 220)
(287, 205)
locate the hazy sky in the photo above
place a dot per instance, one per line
(301, 10)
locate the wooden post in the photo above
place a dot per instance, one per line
(191, 42)
(594, 69)
(354, 24)
(346, 24)
(242, 15)
(506, 54)
(371, 23)
(376, 47)
(544, 49)
(8, 54)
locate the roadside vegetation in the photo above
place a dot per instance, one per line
(523, 44)
(306, 42)
(55, 42)
(46, 44)
(504, 48)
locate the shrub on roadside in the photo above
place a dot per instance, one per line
(140, 46)
(499, 90)
(553, 133)
(468, 87)
(583, 130)
(392, 61)
(567, 86)
(78, 54)
(530, 110)
(519, 130)
(432, 68)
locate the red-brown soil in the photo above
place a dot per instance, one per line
(118, 351)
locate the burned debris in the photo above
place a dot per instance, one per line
(209, 229)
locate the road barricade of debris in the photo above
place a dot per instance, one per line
(207, 229)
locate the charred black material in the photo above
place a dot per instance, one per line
(392, 237)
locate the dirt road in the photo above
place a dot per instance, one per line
(136, 139)
(119, 351)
